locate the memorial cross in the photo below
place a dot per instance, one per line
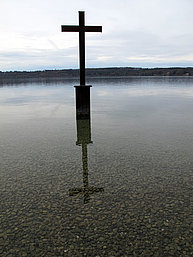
(81, 28)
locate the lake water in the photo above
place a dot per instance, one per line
(140, 160)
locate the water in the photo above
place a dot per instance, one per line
(140, 159)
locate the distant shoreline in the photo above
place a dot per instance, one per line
(94, 73)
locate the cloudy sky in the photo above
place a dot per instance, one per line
(136, 33)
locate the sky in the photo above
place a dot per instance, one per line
(136, 33)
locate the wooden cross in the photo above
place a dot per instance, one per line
(81, 29)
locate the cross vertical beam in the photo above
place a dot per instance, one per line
(82, 49)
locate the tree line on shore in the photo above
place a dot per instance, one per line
(97, 72)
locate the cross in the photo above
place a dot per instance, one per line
(81, 29)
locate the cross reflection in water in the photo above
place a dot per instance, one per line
(83, 124)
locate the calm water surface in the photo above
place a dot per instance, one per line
(139, 200)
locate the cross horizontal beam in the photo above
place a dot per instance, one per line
(74, 28)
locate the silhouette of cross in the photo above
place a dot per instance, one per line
(81, 29)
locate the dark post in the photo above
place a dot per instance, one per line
(82, 49)
(82, 102)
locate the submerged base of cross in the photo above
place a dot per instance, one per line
(83, 102)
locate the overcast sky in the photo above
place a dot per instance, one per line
(136, 33)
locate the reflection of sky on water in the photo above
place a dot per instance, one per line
(126, 106)
(156, 99)
(57, 100)
(152, 91)
(36, 102)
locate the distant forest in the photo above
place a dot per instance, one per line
(95, 72)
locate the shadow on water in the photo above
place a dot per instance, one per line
(83, 125)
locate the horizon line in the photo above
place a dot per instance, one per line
(110, 67)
